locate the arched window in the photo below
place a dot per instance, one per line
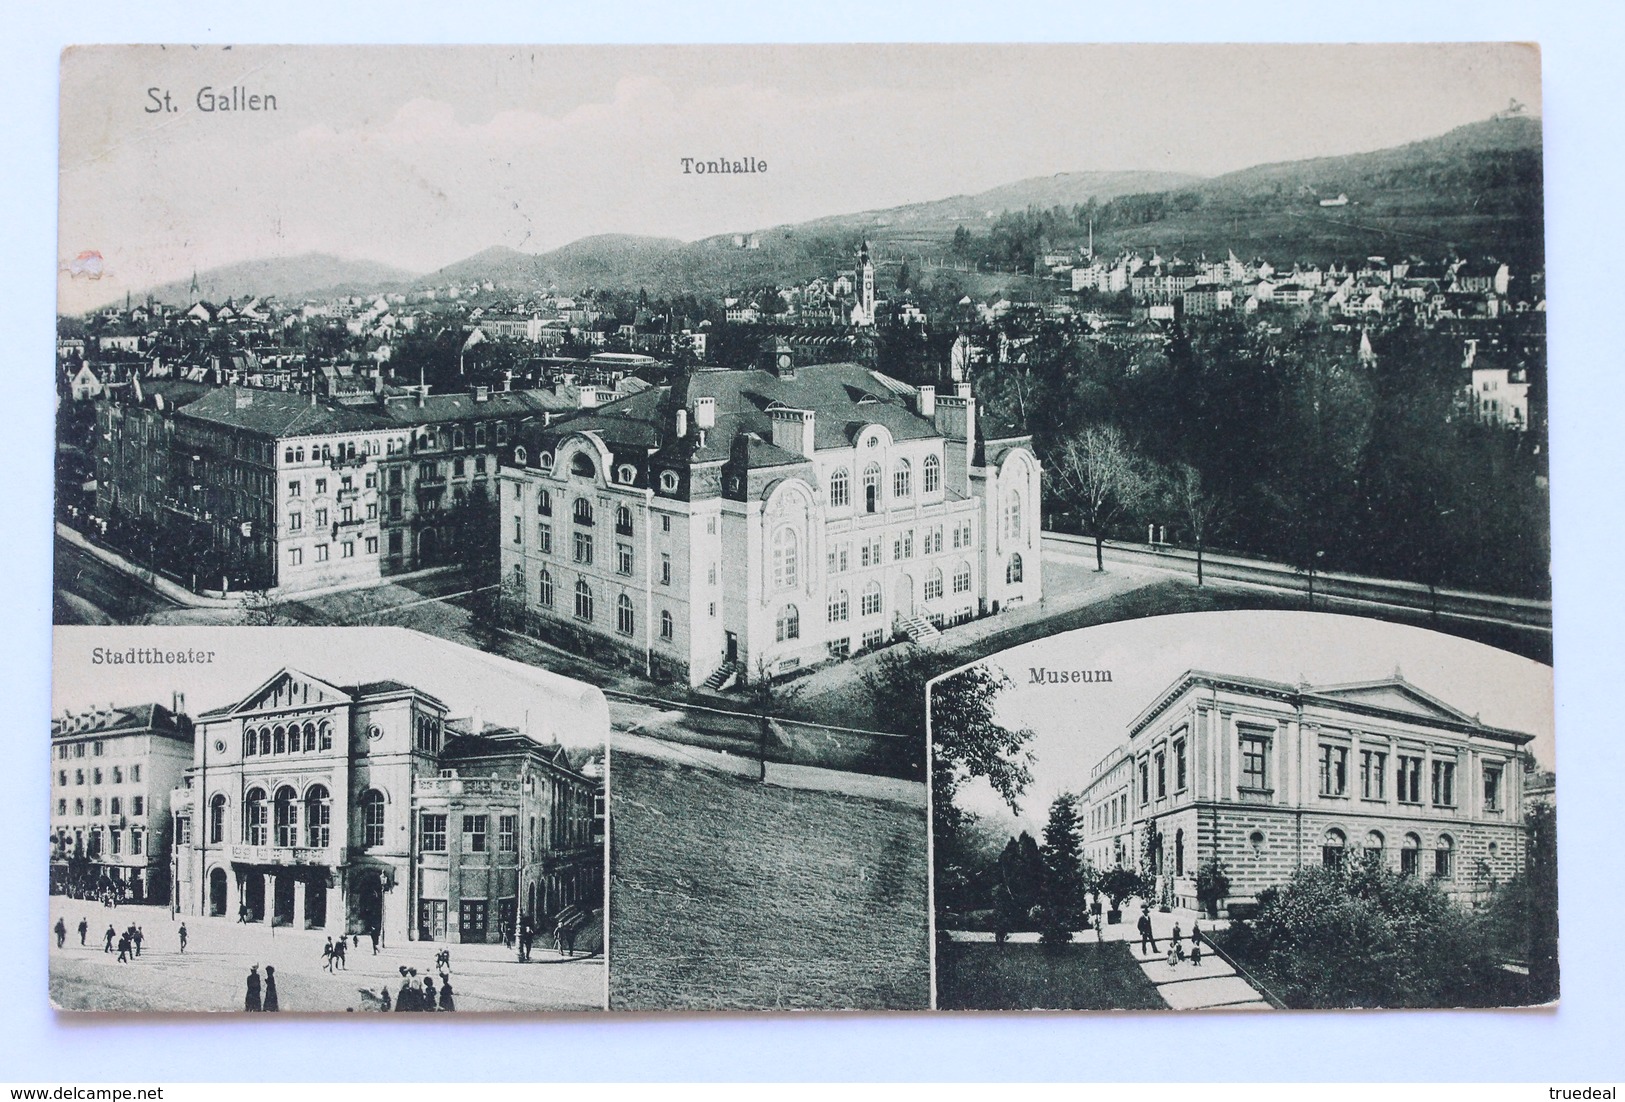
(217, 820)
(626, 474)
(287, 456)
(623, 520)
(1444, 866)
(1332, 847)
(318, 814)
(902, 479)
(872, 602)
(581, 464)
(668, 627)
(789, 623)
(786, 558)
(310, 737)
(254, 817)
(840, 489)
(457, 438)
(1012, 516)
(1373, 847)
(279, 740)
(1012, 573)
(871, 488)
(583, 600)
(962, 578)
(544, 503)
(668, 482)
(251, 742)
(544, 589)
(933, 584)
(839, 607)
(582, 511)
(624, 620)
(520, 456)
(372, 818)
(1410, 855)
(325, 732)
(933, 474)
(287, 817)
(265, 740)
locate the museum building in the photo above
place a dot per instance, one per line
(1266, 777)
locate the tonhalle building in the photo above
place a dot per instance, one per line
(1266, 777)
(740, 523)
(359, 807)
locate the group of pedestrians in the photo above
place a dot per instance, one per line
(1176, 943)
(421, 994)
(261, 996)
(333, 955)
(126, 943)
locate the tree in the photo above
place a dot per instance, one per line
(768, 699)
(1212, 885)
(258, 609)
(1065, 888)
(1118, 884)
(1184, 488)
(1102, 476)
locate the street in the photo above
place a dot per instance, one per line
(211, 974)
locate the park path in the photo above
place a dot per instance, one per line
(1211, 985)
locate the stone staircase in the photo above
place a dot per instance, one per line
(724, 677)
(918, 629)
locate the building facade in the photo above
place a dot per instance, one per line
(345, 808)
(1266, 777)
(747, 523)
(112, 772)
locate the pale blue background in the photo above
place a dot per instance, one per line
(1579, 1042)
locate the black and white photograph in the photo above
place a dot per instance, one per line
(321, 821)
(1245, 811)
(757, 386)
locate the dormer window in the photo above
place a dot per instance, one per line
(668, 482)
(626, 474)
(520, 456)
(581, 465)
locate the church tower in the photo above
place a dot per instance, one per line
(866, 288)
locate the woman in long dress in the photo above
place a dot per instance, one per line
(446, 1001)
(270, 989)
(251, 1001)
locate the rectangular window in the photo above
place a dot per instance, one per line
(474, 833)
(321, 485)
(584, 548)
(349, 549)
(1373, 770)
(1162, 776)
(372, 510)
(623, 558)
(434, 833)
(135, 774)
(321, 552)
(1179, 766)
(372, 545)
(665, 569)
(873, 638)
(1334, 763)
(1444, 784)
(138, 805)
(1408, 778)
(1255, 752)
(296, 522)
(95, 776)
(116, 838)
(118, 775)
(115, 806)
(1492, 788)
(519, 529)
(1145, 783)
(839, 648)
(295, 488)
(711, 526)
(183, 830)
(508, 833)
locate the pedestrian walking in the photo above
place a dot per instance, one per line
(442, 963)
(138, 937)
(1196, 951)
(403, 998)
(124, 949)
(271, 1001)
(338, 955)
(84, 928)
(61, 933)
(327, 956)
(1179, 938)
(1196, 934)
(183, 937)
(446, 1002)
(251, 999)
(428, 994)
(373, 933)
(1148, 939)
(107, 945)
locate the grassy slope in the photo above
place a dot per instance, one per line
(729, 895)
(1083, 975)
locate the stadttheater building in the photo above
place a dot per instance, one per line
(1266, 777)
(350, 808)
(741, 523)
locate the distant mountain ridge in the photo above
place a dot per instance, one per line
(1476, 189)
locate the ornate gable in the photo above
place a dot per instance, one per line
(1395, 695)
(289, 689)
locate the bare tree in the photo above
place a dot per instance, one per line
(1099, 473)
(1199, 508)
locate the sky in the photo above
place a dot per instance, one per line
(1075, 725)
(418, 157)
(549, 707)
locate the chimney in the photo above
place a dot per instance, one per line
(705, 413)
(177, 703)
(242, 399)
(793, 430)
(926, 404)
(586, 397)
(476, 722)
(378, 382)
(482, 394)
(682, 423)
(507, 381)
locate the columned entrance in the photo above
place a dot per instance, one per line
(217, 892)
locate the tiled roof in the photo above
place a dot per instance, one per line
(136, 717)
(279, 413)
(439, 408)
